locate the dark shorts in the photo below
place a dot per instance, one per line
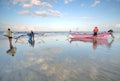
(10, 37)
(95, 34)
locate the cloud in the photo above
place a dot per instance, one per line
(45, 4)
(35, 2)
(48, 13)
(117, 25)
(25, 12)
(95, 3)
(30, 3)
(67, 1)
(54, 13)
(40, 3)
(27, 5)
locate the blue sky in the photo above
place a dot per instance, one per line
(55, 15)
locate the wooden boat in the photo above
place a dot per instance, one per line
(104, 35)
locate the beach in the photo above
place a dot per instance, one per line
(55, 57)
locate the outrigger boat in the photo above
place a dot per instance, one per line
(103, 35)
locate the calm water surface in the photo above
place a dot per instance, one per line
(54, 57)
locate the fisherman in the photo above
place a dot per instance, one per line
(32, 35)
(95, 30)
(31, 38)
(10, 36)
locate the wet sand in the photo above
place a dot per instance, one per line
(54, 57)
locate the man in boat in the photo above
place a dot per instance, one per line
(95, 33)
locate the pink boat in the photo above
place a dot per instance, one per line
(104, 35)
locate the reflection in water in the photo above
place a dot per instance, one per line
(95, 42)
(31, 42)
(61, 61)
(12, 50)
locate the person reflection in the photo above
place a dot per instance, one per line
(110, 43)
(31, 42)
(94, 44)
(12, 50)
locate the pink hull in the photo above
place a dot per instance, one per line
(99, 36)
(99, 41)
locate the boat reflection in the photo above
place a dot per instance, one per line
(95, 42)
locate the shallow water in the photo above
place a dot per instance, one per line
(54, 57)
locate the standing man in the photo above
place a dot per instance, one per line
(31, 38)
(95, 33)
(10, 36)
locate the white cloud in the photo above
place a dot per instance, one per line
(27, 5)
(25, 12)
(53, 13)
(117, 25)
(40, 3)
(41, 13)
(96, 2)
(67, 1)
(48, 13)
(35, 2)
(30, 3)
(45, 4)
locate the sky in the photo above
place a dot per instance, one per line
(59, 15)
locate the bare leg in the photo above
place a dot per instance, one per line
(10, 41)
